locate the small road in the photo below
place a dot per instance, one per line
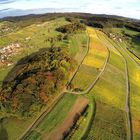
(127, 102)
(98, 76)
(56, 100)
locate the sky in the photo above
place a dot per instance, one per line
(127, 8)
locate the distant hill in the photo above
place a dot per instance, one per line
(86, 17)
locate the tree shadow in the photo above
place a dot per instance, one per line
(3, 132)
(136, 39)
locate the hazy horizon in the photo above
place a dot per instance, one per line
(125, 8)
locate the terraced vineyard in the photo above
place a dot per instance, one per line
(99, 101)
(92, 63)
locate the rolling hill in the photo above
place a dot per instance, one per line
(70, 76)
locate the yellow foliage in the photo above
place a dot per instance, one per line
(97, 51)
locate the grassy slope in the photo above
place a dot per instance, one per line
(115, 68)
(109, 93)
(37, 32)
(78, 45)
(91, 64)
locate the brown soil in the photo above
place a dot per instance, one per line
(77, 109)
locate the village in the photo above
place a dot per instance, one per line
(4, 29)
(7, 52)
(115, 37)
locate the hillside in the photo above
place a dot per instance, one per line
(70, 76)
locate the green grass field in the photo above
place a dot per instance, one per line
(78, 45)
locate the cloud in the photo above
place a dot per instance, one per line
(118, 7)
(6, 9)
(6, 1)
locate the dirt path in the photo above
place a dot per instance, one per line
(127, 102)
(76, 111)
(98, 76)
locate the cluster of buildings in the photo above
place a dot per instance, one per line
(7, 52)
(5, 30)
(114, 37)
